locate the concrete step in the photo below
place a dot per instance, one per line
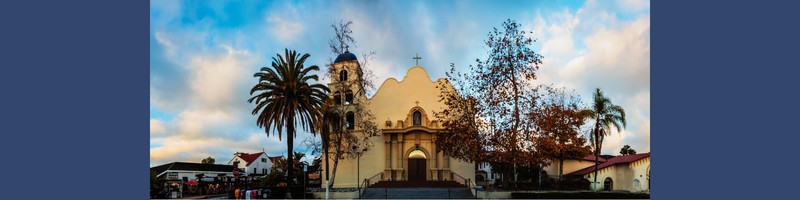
(417, 184)
(417, 193)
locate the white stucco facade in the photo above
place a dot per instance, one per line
(259, 164)
(394, 105)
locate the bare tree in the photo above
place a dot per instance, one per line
(496, 88)
(346, 139)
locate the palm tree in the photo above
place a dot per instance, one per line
(285, 95)
(605, 115)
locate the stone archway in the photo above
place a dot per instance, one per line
(416, 164)
(608, 184)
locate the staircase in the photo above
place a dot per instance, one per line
(417, 190)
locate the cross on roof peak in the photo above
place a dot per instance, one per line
(417, 58)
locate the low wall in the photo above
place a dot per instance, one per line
(560, 194)
(336, 195)
(494, 194)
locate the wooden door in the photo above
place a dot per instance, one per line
(416, 169)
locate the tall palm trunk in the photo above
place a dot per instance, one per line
(290, 168)
(325, 138)
(596, 152)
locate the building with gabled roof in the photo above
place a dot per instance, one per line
(629, 172)
(252, 164)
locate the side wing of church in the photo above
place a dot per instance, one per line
(403, 110)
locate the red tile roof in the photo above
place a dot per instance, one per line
(250, 157)
(612, 161)
(591, 158)
(275, 158)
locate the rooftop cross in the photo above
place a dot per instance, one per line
(417, 58)
(417, 103)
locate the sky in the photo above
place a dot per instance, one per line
(203, 55)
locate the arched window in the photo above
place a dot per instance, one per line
(351, 119)
(337, 98)
(417, 118)
(343, 75)
(608, 184)
(348, 97)
(336, 124)
(636, 185)
(417, 154)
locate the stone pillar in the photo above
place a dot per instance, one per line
(388, 153)
(435, 156)
(402, 157)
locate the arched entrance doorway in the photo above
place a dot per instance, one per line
(416, 165)
(608, 184)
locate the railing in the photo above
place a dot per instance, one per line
(470, 185)
(367, 182)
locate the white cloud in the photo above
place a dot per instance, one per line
(285, 24)
(157, 127)
(591, 48)
(217, 80)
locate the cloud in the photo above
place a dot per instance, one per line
(203, 56)
(285, 24)
(156, 127)
(217, 80)
(592, 47)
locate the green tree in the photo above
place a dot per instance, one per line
(605, 115)
(208, 160)
(627, 150)
(284, 95)
(155, 185)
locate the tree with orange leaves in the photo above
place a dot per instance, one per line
(558, 123)
(484, 114)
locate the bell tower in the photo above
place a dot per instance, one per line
(346, 87)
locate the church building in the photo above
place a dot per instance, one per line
(403, 111)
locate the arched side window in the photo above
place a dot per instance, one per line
(417, 118)
(337, 98)
(343, 75)
(336, 124)
(351, 119)
(608, 184)
(636, 185)
(348, 97)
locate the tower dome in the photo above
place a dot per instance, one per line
(346, 56)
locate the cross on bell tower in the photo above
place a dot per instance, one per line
(417, 58)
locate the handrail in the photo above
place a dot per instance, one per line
(371, 179)
(361, 190)
(473, 187)
(366, 183)
(453, 176)
(468, 182)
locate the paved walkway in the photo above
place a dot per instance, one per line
(210, 196)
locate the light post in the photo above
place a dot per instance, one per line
(358, 170)
(358, 167)
(305, 175)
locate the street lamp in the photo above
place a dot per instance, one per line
(358, 170)
(304, 166)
